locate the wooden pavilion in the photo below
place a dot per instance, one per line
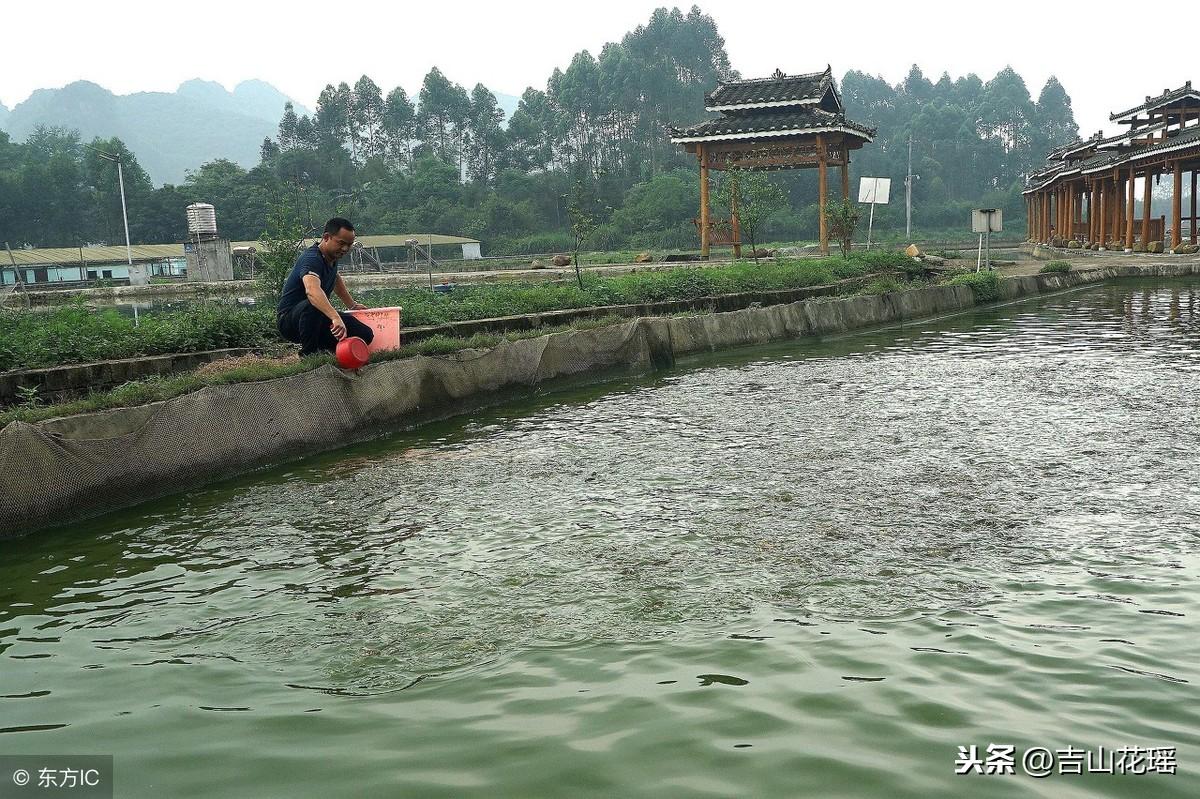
(780, 122)
(1086, 191)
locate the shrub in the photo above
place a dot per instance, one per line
(884, 285)
(1055, 266)
(76, 334)
(984, 285)
(538, 244)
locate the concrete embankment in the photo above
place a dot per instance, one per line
(62, 470)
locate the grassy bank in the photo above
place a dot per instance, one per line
(482, 301)
(77, 334)
(251, 369)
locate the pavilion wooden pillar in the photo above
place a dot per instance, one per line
(1090, 234)
(735, 224)
(1096, 208)
(1068, 212)
(1077, 195)
(1065, 214)
(1149, 189)
(1049, 215)
(1064, 221)
(1193, 236)
(1102, 230)
(822, 191)
(700, 150)
(1056, 214)
(1129, 211)
(845, 173)
(1177, 207)
(1117, 206)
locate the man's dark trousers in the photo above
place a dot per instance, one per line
(309, 328)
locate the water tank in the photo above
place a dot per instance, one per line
(202, 220)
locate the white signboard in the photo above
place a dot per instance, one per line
(987, 220)
(874, 190)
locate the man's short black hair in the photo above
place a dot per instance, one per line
(337, 223)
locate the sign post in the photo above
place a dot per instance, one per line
(987, 221)
(873, 190)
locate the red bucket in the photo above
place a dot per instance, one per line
(352, 353)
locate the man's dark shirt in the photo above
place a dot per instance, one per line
(310, 262)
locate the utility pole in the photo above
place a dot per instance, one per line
(124, 215)
(121, 179)
(908, 184)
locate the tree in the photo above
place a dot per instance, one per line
(287, 128)
(752, 197)
(583, 225)
(332, 123)
(442, 110)
(281, 241)
(485, 140)
(1055, 119)
(399, 120)
(268, 150)
(842, 219)
(366, 118)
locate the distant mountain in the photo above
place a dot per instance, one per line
(169, 132)
(508, 104)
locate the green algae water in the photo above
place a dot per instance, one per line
(820, 568)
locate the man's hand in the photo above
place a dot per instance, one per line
(338, 328)
(357, 306)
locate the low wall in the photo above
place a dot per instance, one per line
(67, 469)
(63, 382)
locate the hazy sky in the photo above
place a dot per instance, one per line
(299, 46)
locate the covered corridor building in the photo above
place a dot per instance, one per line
(1086, 192)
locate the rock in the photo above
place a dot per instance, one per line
(1155, 247)
(1139, 246)
(643, 258)
(771, 253)
(562, 260)
(913, 251)
(760, 253)
(1072, 245)
(677, 257)
(1187, 249)
(537, 265)
(934, 260)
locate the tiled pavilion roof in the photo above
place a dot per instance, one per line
(772, 123)
(778, 90)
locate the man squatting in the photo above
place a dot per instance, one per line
(304, 314)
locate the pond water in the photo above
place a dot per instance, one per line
(816, 568)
